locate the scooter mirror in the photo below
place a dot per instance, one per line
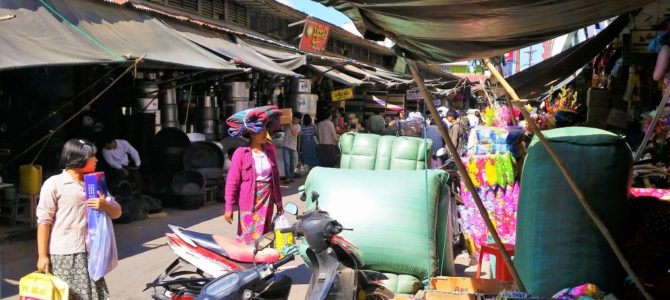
(264, 241)
(291, 208)
(301, 192)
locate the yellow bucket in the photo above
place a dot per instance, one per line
(30, 179)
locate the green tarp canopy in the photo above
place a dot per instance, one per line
(73, 32)
(453, 30)
(35, 37)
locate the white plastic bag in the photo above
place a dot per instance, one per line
(101, 244)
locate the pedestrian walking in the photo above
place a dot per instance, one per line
(290, 146)
(376, 123)
(308, 142)
(252, 183)
(62, 222)
(328, 139)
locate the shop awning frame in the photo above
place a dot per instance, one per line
(232, 50)
(453, 30)
(132, 33)
(38, 37)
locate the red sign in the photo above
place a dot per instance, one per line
(314, 36)
(509, 57)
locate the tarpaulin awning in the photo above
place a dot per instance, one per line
(367, 76)
(36, 37)
(338, 76)
(132, 33)
(383, 104)
(538, 79)
(286, 59)
(231, 50)
(453, 30)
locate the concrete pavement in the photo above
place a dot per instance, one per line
(143, 253)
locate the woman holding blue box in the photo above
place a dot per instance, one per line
(62, 223)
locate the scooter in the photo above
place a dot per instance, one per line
(202, 258)
(335, 263)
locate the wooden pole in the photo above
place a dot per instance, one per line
(428, 100)
(573, 185)
(510, 107)
(654, 121)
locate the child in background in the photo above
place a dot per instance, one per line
(61, 219)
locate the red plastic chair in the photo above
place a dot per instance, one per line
(502, 273)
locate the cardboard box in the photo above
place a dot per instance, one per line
(286, 117)
(464, 288)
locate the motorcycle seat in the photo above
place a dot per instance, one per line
(230, 248)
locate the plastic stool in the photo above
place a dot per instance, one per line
(33, 199)
(502, 273)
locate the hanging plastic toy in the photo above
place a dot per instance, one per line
(500, 169)
(472, 171)
(490, 169)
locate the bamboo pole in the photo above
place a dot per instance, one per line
(510, 107)
(428, 100)
(573, 185)
(654, 121)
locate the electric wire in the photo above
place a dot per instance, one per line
(128, 69)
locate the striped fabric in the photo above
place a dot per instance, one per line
(253, 120)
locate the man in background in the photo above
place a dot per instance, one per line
(328, 139)
(290, 146)
(115, 153)
(376, 123)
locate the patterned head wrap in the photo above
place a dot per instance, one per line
(253, 120)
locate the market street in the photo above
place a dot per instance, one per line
(144, 254)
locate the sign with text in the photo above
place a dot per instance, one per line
(314, 36)
(414, 94)
(342, 94)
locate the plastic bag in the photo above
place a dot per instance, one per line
(101, 244)
(282, 239)
(42, 286)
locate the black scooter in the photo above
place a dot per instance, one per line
(335, 264)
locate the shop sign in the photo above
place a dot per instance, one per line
(414, 94)
(398, 99)
(314, 36)
(342, 94)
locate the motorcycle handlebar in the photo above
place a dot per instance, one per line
(283, 261)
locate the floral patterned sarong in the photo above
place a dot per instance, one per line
(253, 224)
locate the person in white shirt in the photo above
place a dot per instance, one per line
(290, 146)
(116, 153)
(328, 139)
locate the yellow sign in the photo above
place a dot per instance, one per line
(342, 94)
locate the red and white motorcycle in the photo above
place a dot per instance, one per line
(203, 257)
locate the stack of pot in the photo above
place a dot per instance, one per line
(146, 100)
(168, 106)
(209, 117)
(301, 99)
(236, 96)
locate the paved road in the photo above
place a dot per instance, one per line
(143, 253)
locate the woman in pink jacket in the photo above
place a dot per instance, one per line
(253, 181)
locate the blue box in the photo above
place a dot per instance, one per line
(94, 182)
